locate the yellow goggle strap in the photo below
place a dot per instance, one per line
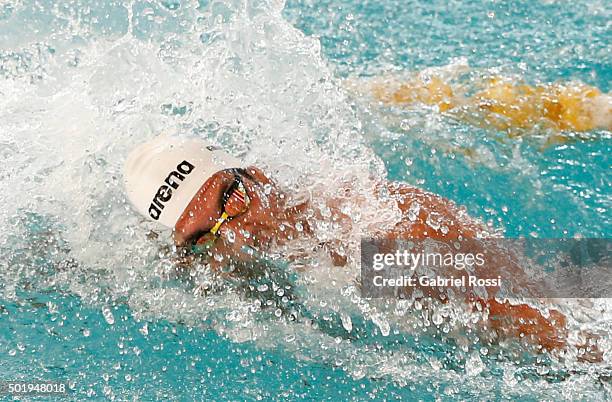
(220, 221)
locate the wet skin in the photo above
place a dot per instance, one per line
(268, 220)
(257, 227)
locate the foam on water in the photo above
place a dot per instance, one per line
(73, 108)
(82, 84)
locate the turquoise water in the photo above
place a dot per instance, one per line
(85, 298)
(547, 40)
(551, 193)
(168, 361)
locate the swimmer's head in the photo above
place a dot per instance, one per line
(252, 223)
(163, 175)
(191, 185)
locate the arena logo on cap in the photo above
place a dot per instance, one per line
(164, 193)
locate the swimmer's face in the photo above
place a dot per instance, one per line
(253, 225)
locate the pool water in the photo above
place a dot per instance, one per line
(87, 298)
(550, 193)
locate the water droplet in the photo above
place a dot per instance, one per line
(262, 288)
(145, 329)
(433, 220)
(86, 332)
(382, 324)
(437, 319)
(413, 211)
(474, 366)
(230, 236)
(347, 323)
(52, 307)
(108, 315)
(509, 378)
(435, 364)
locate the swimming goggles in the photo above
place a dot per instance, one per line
(241, 201)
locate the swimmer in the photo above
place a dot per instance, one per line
(503, 104)
(217, 207)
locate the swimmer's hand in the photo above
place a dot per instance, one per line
(549, 333)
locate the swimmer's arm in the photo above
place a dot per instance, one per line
(512, 321)
(419, 207)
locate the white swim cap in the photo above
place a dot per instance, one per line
(163, 175)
